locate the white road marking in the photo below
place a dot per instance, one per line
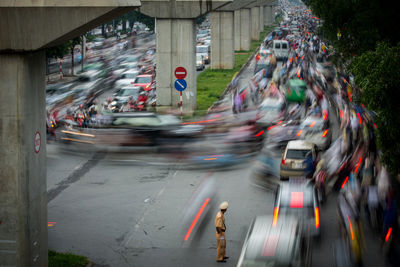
(140, 222)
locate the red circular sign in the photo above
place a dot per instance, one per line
(180, 73)
(37, 142)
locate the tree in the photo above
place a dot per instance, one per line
(361, 23)
(71, 44)
(378, 74)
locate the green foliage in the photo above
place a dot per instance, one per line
(361, 23)
(378, 74)
(66, 260)
(57, 51)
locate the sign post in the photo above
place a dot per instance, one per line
(180, 83)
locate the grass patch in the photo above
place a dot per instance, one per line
(211, 83)
(57, 259)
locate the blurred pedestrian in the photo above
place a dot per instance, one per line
(221, 228)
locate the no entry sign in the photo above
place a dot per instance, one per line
(37, 142)
(180, 73)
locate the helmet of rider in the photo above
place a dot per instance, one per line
(109, 100)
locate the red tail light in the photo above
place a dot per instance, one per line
(351, 228)
(283, 162)
(316, 211)
(260, 133)
(388, 234)
(359, 118)
(345, 181)
(275, 219)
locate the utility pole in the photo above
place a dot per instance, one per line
(83, 50)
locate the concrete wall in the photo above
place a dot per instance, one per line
(268, 15)
(261, 21)
(222, 50)
(176, 46)
(255, 20)
(182, 9)
(242, 29)
(23, 204)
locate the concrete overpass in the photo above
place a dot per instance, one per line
(27, 27)
(234, 26)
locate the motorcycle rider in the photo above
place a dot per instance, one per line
(141, 101)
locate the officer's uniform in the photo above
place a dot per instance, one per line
(221, 240)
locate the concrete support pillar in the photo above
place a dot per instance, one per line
(268, 15)
(236, 30)
(176, 47)
(23, 201)
(222, 51)
(255, 20)
(261, 23)
(242, 29)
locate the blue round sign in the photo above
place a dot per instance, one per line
(180, 85)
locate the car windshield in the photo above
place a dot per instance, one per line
(271, 105)
(129, 76)
(143, 80)
(297, 153)
(94, 66)
(139, 121)
(131, 59)
(128, 92)
(202, 49)
(83, 78)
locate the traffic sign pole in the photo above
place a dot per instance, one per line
(180, 98)
(180, 84)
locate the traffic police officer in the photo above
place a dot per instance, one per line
(221, 228)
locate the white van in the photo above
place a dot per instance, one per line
(281, 49)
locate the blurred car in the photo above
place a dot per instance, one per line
(145, 81)
(83, 89)
(200, 62)
(294, 156)
(98, 42)
(126, 78)
(267, 64)
(274, 243)
(299, 198)
(204, 50)
(96, 66)
(315, 130)
(281, 49)
(56, 93)
(272, 110)
(125, 93)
